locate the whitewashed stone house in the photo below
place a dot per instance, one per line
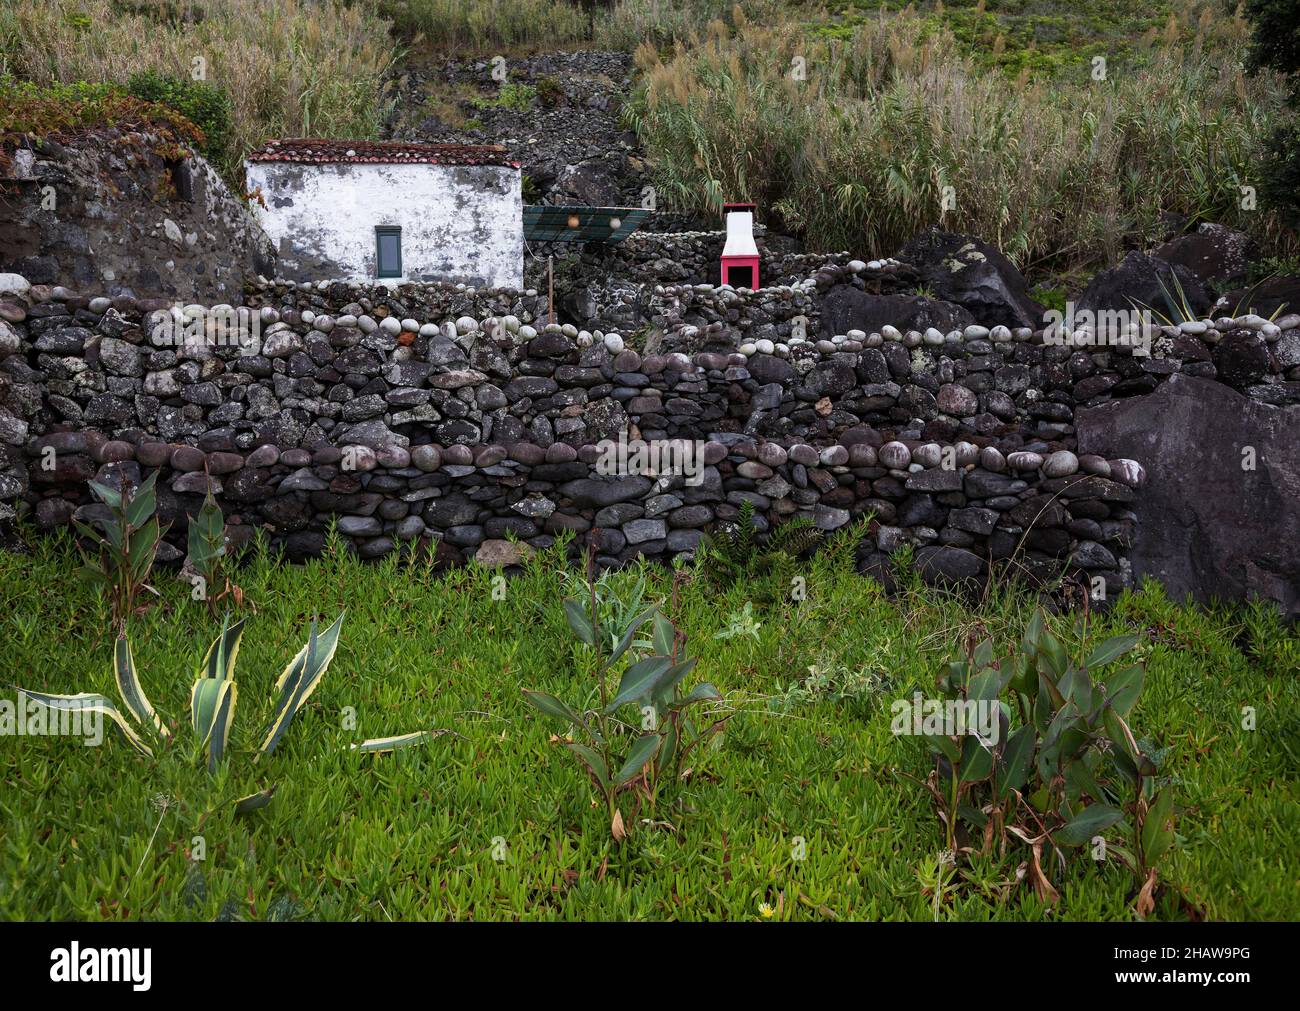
(370, 210)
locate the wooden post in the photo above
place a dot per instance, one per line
(550, 286)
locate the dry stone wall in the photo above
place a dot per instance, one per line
(109, 213)
(413, 417)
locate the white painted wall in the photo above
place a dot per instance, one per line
(459, 223)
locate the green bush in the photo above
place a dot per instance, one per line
(512, 95)
(1070, 775)
(206, 106)
(294, 68)
(1275, 46)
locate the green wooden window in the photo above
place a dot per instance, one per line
(388, 251)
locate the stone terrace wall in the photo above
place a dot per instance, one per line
(466, 431)
(107, 212)
(404, 431)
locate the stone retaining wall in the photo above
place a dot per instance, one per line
(469, 431)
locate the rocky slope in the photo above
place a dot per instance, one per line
(557, 112)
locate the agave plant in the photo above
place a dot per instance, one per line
(213, 698)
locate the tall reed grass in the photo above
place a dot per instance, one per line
(290, 67)
(482, 26)
(862, 153)
(479, 25)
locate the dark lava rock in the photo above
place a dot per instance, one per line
(1138, 279)
(1207, 528)
(948, 565)
(1265, 298)
(1241, 358)
(846, 308)
(594, 493)
(974, 275)
(1213, 252)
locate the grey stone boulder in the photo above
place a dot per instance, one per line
(1241, 358)
(594, 181)
(500, 553)
(948, 565)
(373, 433)
(1207, 527)
(594, 493)
(1213, 252)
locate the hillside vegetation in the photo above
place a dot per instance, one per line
(1060, 137)
(289, 67)
(893, 129)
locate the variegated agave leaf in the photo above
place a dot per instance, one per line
(128, 686)
(382, 745)
(212, 711)
(219, 661)
(300, 679)
(254, 801)
(90, 702)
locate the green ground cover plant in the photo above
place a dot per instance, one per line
(799, 808)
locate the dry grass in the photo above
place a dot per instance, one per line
(494, 26)
(479, 25)
(291, 67)
(862, 153)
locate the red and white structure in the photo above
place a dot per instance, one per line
(739, 253)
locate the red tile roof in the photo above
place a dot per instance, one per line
(384, 152)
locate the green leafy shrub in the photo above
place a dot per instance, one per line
(550, 92)
(1071, 773)
(206, 106)
(123, 544)
(1274, 46)
(206, 555)
(511, 95)
(737, 550)
(651, 681)
(63, 111)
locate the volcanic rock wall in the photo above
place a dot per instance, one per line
(109, 213)
(335, 405)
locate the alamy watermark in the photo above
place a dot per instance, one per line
(652, 458)
(28, 718)
(75, 964)
(1131, 328)
(919, 716)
